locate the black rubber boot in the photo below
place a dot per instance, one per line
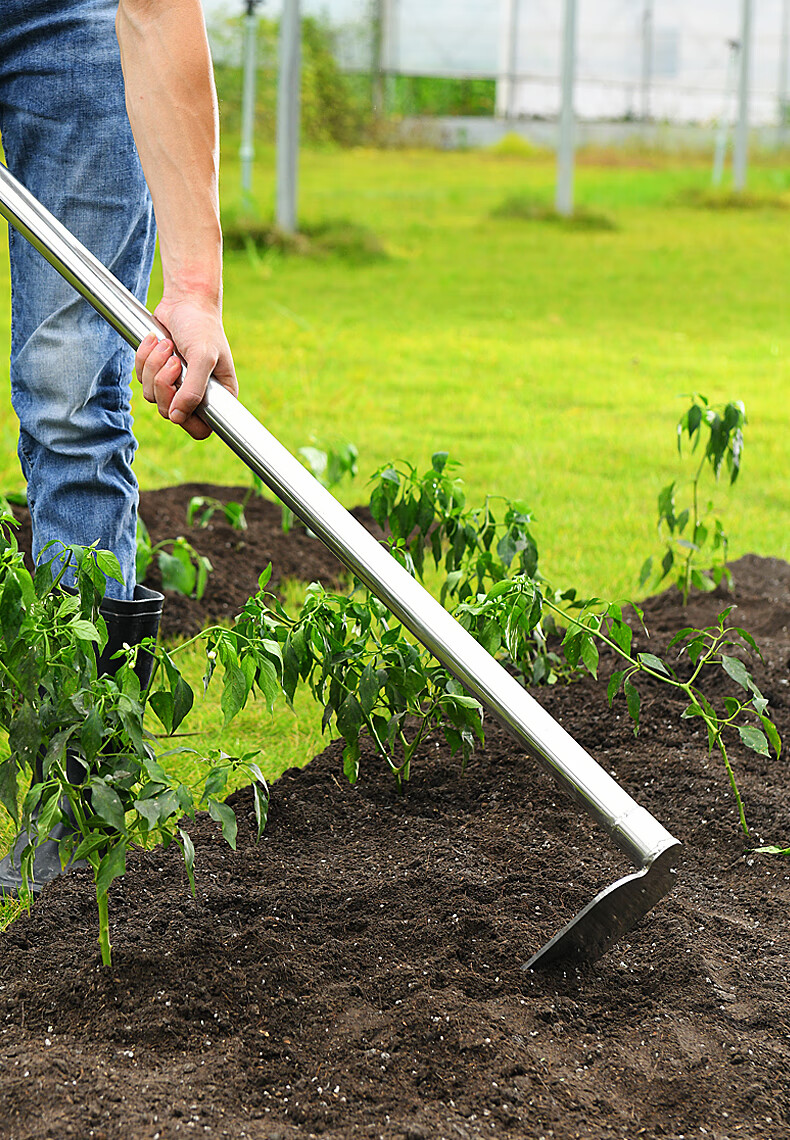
(128, 622)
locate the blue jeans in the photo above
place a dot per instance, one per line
(67, 138)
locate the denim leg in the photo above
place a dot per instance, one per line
(67, 138)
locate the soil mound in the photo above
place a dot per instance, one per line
(237, 556)
(358, 971)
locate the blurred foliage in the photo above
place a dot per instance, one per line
(431, 95)
(335, 108)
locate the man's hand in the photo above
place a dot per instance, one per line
(196, 330)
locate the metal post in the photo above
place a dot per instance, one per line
(647, 58)
(377, 56)
(741, 148)
(723, 128)
(564, 196)
(389, 50)
(288, 115)
(784, 99)
(512, 59)
(247, 149)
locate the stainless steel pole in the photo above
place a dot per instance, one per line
(741, 147)
(247, 149)
(565, 148)
(635, 831)
(288, 116)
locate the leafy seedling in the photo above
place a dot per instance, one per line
(691, 535)
(509, 610)
(329, 465)
(182, 568)
(202, 508)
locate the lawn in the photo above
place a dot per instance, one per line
(550, 361)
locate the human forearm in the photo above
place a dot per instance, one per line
(172, 108)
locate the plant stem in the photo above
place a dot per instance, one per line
(104, 930)
(734, 786)
(14, 680)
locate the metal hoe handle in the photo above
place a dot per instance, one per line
(634, 830)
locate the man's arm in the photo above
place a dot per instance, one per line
(172, 107)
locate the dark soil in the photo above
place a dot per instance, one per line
(237, 556)
(358, 971)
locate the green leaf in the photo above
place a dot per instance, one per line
(349, 718)
(162, 703)
(613, 688)
(234, 513)
(84, 630)
(736, 669)
(24, 734)
(9, 793)
(109, 565)
(622, 635)
(646, 571)
(91, 733)
(149, 809)
(183, 699)
(368, 689)
(261, 804)
(655, 663)
(107, 804)
(267, 680)
(87, 846)
(234, 693)
(589, 655)
(112, 866)
(351, 761)
(49, 814)
(223, 815)
(216, 782)
(747, 637)
(753, 738)
(633, 701)
(12, 613)
(177, 572)
(188, 851)
(204, 568)
(772, 734)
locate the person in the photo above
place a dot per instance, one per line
(108, 115)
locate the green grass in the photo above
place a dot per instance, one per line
(549, 360)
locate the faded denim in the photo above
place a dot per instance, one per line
(67, 138)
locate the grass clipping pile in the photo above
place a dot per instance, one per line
(358, 972)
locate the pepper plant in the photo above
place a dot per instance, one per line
(202, 508)
(691, 533)
(182, 568)
(511, 610)
(81, 736)
(473, 547)
(371, 678)
(330, 465)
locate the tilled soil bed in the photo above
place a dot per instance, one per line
(358, 972)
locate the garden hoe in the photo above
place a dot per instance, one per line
(612, 912)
